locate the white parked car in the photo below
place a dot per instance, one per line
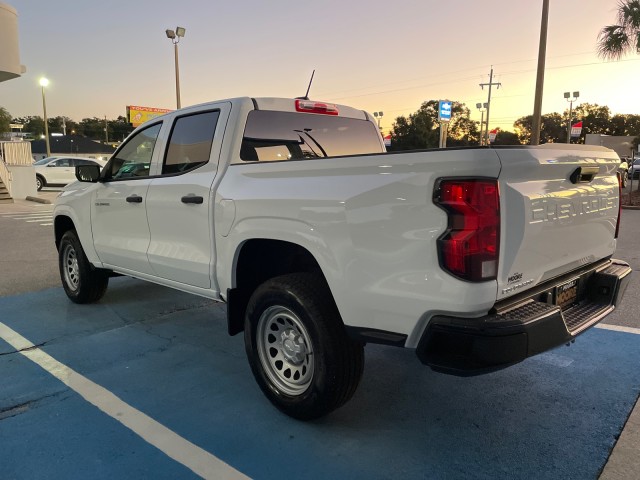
(59, 171)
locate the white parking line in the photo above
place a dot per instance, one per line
(170, 443)
(619, 328)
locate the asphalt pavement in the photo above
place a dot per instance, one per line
(147, 384)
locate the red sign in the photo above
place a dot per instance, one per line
(576, 129)
(492, 135)
(387, 141)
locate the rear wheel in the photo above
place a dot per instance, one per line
(40, 182)
(298, 348)
(81, 281)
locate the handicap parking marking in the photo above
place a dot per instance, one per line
(556, 415)
(173, 445)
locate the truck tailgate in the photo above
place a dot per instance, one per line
(560, 205)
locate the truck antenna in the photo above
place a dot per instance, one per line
(306, 95)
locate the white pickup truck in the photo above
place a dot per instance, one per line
(319, 241)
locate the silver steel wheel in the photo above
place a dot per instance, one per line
(70, 267)
(285, 350)
(38, 183)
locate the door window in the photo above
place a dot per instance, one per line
(62, 162)
(190, 142)
(133, 159)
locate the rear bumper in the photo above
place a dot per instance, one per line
(512, 332)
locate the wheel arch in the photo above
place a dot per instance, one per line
(61, 225)
(258, 260)
(42, 179)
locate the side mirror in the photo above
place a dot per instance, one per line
(88, 173)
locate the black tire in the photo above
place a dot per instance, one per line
(40, 182)
(299, 308)
(82, 282)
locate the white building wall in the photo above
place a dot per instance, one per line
(10, 66)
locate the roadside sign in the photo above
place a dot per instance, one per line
(576, 129)
(138, 115)
(387, 141)
(444, 110)
(492, 135)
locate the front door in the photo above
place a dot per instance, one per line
(118, 210)
(61, 171)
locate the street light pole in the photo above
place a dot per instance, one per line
(570, 99)
(175, 37)
(43, 83)
(379, 116)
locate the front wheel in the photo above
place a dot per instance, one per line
(82, 282)
(40, 182)
(298, 348)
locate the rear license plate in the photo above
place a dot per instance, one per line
(566, 294)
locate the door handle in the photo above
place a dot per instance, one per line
(192, 199)
(134, 199)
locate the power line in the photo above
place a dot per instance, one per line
(329, 95)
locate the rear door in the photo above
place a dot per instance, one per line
(180, 199)
(560, 206)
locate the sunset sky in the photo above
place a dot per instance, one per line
(369, 54)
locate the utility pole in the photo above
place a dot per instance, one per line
(542, 53)
(106, 131)
(490, 84)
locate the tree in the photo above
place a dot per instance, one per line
(506, 138)
(552, 129)
(5, 120)
(595, 119)
(92, 128)
(119, 129)
(616, 40)
(422, 129)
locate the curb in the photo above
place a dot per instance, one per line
(38, 200)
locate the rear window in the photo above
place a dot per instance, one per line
(273, 136)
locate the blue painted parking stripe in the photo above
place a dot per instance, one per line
(170, 443)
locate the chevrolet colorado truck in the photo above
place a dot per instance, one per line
(319, 241)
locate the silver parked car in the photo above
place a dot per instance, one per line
(59, 171)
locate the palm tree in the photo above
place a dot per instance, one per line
(616, 40)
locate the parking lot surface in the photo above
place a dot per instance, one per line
(147, 384)
(167, 356)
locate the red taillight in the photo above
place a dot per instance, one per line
(309, 106)
(470, 247)
(619, 203)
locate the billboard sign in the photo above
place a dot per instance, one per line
(444, 110)
(138, 115)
